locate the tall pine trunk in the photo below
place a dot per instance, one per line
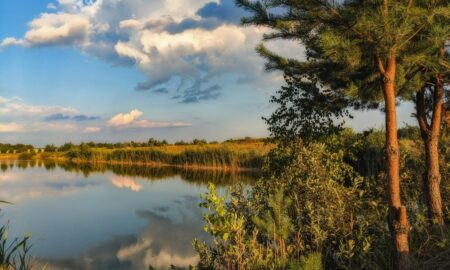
(398, 218)
(430, 135)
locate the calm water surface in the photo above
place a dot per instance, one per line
(113, 217)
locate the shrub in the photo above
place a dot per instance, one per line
(311, 205)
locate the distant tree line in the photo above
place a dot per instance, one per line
(15, 148)
(132, 144)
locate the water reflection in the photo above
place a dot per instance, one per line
(108, 217)
(153, 173)
(161, 243)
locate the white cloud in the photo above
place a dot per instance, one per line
(125, 50)
(18, 106)
(154, 36)
(130, 24)
(92, 129)
(19, 116)
(124, 119)
(163, 259)
(9, 41)
(131, 120)
(11, 127)
(59, 28)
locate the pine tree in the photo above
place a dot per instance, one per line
(359, 49)
(431, 71)
(305, 111)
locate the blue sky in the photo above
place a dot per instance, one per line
(114, 70)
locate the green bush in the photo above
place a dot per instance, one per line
(322, 205)
(310, 205)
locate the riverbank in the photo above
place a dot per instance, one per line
(232, 156)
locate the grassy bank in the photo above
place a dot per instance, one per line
(223, 156)
(230, 155)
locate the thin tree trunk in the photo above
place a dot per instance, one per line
(398, 219)
(430, 136)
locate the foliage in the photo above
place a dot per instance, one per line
(66, 147)
(322, 206)
(154, 142)
(15, 148)
(305, 111)
(50, 148)
(14, 254)
(311, 206)
(344, 39)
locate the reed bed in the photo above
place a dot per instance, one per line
(218, 156)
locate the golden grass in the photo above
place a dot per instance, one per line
(259, 147)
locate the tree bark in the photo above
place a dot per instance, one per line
(398, 218)
(430, 135)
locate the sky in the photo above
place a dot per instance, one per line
(121, 70)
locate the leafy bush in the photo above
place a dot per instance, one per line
(314, 205)
(322, 206)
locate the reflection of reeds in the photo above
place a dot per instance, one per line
(152, 173)
(199, 176)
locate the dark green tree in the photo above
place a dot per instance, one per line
(360, 49)
(305, 111)
(50, 148)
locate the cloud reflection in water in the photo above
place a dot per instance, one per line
(161, 243)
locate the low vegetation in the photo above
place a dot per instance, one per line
(245, 153)
(322, 205)
(14, 253)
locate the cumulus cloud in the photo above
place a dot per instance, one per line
(131, 120)
(178, 44)
(57, 29)
(124, 119)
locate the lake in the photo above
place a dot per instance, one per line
(108, 217)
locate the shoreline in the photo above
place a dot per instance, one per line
(62, 158)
